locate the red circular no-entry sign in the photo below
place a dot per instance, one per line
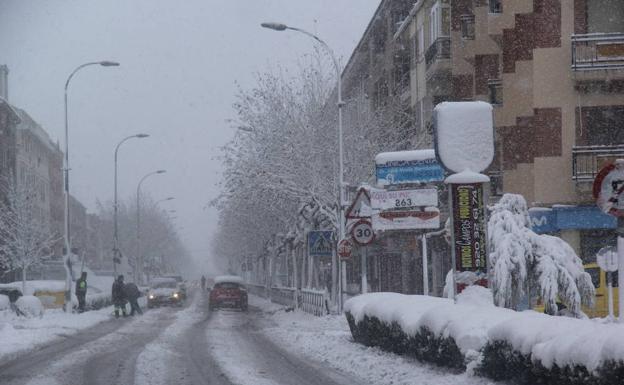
(608, 188)
(345, 247)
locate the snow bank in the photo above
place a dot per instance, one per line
(29, 306)
(474, 323)
(5, 303)
(327, 340)
(20, 334)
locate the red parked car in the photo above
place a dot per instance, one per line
(228, 291)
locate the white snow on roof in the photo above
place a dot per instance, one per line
(467, 177)
(228, 278)
(412, 155)
(464, 135)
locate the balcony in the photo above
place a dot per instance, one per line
(440, 49)
(588, 160)
(598, 51)
(598, 62)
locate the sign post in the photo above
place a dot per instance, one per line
(607, 259)
(608, 191)
(464, 141)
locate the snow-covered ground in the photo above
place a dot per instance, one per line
(20, 334)
(328, 340)
(153, 362)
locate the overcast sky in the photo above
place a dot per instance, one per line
(180, 62)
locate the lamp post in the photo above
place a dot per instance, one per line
(139, 258)
(66, 229)
(341, 200)
(116, 252)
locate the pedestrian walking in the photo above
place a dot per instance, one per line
(132, 295)
(203, 283)
(81, 291)
(119, 296)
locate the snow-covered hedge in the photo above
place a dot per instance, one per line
(495, 342)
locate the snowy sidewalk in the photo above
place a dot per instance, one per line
(20, 335)
(328, 340)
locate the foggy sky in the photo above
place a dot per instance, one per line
(180, 62)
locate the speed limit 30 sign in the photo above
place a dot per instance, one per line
(362, 232)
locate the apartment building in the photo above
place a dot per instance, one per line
(554, 71)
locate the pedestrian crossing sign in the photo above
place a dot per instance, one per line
(320, 243)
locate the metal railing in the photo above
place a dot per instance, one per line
(256, 289)
(597, 51)
(314, 302)
(587, 160)
(311, 301)
(440, 49)
(283, 295)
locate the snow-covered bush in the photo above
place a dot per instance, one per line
(5, 303)
(528, 264)
(525, 347)
(29, 306)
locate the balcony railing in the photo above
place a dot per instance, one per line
(597, 51)
(440, 49)
(587, 160)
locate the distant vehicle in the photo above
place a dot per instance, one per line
(181, 284)
(164, 291)
(228, 291)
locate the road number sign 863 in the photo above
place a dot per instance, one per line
(362, 232)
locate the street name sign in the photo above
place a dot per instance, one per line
(402, 199)
(407, 167)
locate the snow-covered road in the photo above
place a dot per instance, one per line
(170, 346)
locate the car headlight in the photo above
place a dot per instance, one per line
(175, 295)
(151, 296)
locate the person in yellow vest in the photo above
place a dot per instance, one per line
(81, 291)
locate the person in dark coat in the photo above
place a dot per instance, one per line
(81, 291)
(203, 283)
(132, 295)
(119, 296)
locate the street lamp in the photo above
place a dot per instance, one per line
(66, 233)
(341, 229)
(163, 200)
(138, 208)
(116, 253)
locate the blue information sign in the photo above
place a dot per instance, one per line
(320, 243)
(412, 171)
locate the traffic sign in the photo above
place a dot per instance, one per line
(345, 247)
(362, 232)
(320, 243)
(608, 188)
(607, 258)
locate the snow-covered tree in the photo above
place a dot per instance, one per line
(285, 154)
(525, 263)
(25, 235)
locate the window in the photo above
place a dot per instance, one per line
(495, 92)
(594, 273)
(439, 21)
(496, 6)
(467, 27)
